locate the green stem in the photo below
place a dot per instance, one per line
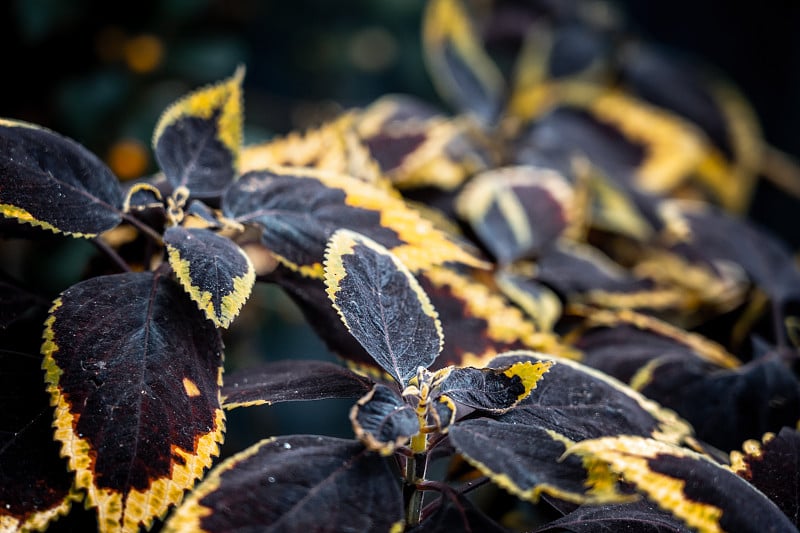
(112, 254)
(416, 466)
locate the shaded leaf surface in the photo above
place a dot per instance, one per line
(54, 183)
(635, 517)
(773, 467)
(525, 460)
(286, 381)
(34, 480)
(212, 269)
(134, 371)
(726, 407)
(456, 513)
(295, 484)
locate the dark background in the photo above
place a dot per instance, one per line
(65, 64)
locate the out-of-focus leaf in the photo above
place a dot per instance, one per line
(54, 183)
(198, 138)
(540, 304)
(383, 420)
(617, 332)
(726, 407)
(478, 323)
(289, 381)
(628, 140)
(295, 484)
(134, 372)
(716, 236)
(298, 210)
(773, 467)
(710, 103)
(517, 211)
(416, 148)
(382, 305)
(213, 270)
(460, 68)
(335, 147)
(677, 480)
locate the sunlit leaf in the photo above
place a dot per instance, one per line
(54, 183)
(382, 305)
(383, 421)
(295, 484)
(677, 480)
(334, 146)
(213, 270)
(289, 381)
(198, 138)
(134, 372)
(773, 467)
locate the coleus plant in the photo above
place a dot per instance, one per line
(600, 264)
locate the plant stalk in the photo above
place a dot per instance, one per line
(416, 466)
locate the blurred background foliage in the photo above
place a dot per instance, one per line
(102, 72)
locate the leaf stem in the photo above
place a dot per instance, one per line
(112, 254)
(144, 228)
(777, 323)
(416, 466)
